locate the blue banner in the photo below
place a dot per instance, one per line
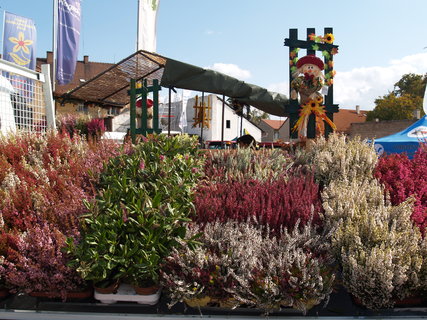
(19, 39)
(69, 12)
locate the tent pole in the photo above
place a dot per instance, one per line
(169, 113)
(203, 119)
(222, 122)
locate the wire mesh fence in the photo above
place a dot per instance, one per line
(24, 102)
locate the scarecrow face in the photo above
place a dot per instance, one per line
(310, 69)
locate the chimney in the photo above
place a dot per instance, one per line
(86, 59)
(417, 114)
(49, 57)
(357, 109)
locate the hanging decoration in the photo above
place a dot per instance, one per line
(202, 113)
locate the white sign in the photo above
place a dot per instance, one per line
(418, 132)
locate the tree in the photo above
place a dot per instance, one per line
(413, 84)
(392, 107)
(257, 115)
(401, 103)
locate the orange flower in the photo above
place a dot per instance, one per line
(334, 51)
(312, 36)
(331, 63)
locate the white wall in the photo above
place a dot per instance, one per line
(214, 132)
(122, 122)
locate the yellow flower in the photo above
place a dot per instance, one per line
(21, 43)
(329, 38)
(319, 99)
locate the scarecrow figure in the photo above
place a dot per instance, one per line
(149, 112)
(308, 79)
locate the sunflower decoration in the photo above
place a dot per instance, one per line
(329, 38)
(317, 108)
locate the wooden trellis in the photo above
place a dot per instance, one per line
(328, 50)
(143, 93)
(202, 113)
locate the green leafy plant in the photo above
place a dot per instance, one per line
(143, 205)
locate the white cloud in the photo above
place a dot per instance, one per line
(231, 70)
(361, 86)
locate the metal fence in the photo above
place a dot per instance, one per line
(26, 102)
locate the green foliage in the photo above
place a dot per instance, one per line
(392, 107)
(256, 115)
(412, 84)
(142, 208)
(401, 103)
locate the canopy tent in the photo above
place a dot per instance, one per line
(407, 141)
(111, 86)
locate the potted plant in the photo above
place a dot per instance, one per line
(141, 210)
(376, 243)
(241, 264)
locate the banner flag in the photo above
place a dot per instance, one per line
(147, 15)
(69, 13)
(19, 39)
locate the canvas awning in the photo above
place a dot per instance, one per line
(111, 86)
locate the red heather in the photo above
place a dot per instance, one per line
(402, 178)
(275, 203)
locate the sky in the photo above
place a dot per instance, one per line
(379, 40)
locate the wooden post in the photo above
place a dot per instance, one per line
(311, 125)
(132, 110)
(294, 105)
(329, 98)
(155, 91)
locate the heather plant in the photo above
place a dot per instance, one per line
(143, 205)
(277, 203)
(339, 157)
(95, 127)
(244, 164)
(43, 182)
(376, 243)
(35, 262)
(242, 264)
(47, 178)
(403, 178)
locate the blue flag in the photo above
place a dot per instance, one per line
(19, 39)
(69, 12)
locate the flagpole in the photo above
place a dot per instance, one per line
(54, 42)
(137, 26)
(4, 22)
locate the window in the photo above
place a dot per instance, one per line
(227, 124)
(276, 135)
(81, 107)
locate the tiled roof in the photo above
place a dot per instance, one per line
(85, 70)
(275, 124)
(345, 117)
